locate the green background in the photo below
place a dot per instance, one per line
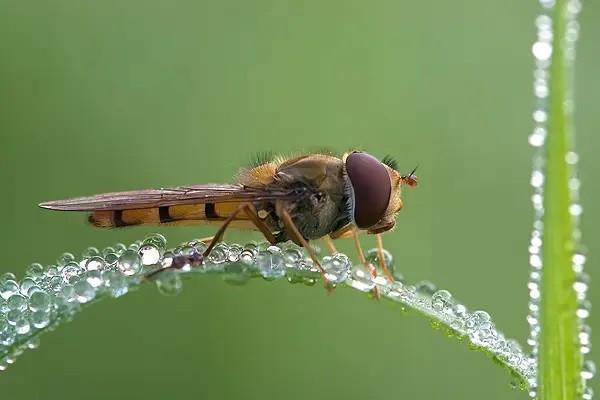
(113, 95)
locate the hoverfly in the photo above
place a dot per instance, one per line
(313, 196)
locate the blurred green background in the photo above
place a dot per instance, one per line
(114, 95)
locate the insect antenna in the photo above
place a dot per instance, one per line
(410, 179)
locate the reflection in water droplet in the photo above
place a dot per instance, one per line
(84, 292)
(270, 264)
(337, 268)
(442, 301)
(149, 254)
(219, 254)
(169, 283)
(39, 301)
(129, 263)
(116, 283)
(95, 264)
(8, 288)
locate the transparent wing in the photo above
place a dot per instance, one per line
(150, 198)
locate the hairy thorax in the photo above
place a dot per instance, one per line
(321, 206)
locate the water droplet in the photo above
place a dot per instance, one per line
(8, 288)
(149, 254)
(236, 273)
(84, 292)
(7, 336)
(95, 264)
(362, 279)
(111, 259)
(542, 50)
(537, 179)
(94, 278)
(442, 301)
(17, 302)
(575, 209)
(90, 252)
(219, 254)
(70, 272)
(129, 263)
(157, 240)
(39, 301)
(169, 283)
(33, 343)
(425, 287)
(247, 257)
(337, 268)
(116, 283)
(40, 319)
(270, 265)
(35, 271)
(120, 248)
(292, 255)
(588, 370)
(64, 259)
(22, 326)
(26, 284)
(234, 252)
(538, 137)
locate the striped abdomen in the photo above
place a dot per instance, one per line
(185, 214)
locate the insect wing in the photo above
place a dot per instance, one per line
(197, 194)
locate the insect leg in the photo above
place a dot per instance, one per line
(343, 233)
(213, 241)
(292, 230)
(381, 258)
(363, 259)
(264, 229)
(252, 215)
(330, 245)
(219, 234)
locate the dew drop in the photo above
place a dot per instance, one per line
(70, 272)
(84, 292)
(94, 278)
(169, 283)
(33, 343)
(120, 248)
(129, 263)
(149, 254)
(26, 284)
(157, 240)
(8, 288)
(90, 252)
(234, 252)
(116, 283)
(588, 370)
(64, 259)
(35, 271)
(40, 319)
(337, 268)
(22, 326)
(442, 301)
(39, 301)
(270, 265)
(17, 302)
(236, 273)
(362, 279)
(95, 264)
(111, 259)
(219, 254)
(425, 287)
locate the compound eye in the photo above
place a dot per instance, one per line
(372, 188)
